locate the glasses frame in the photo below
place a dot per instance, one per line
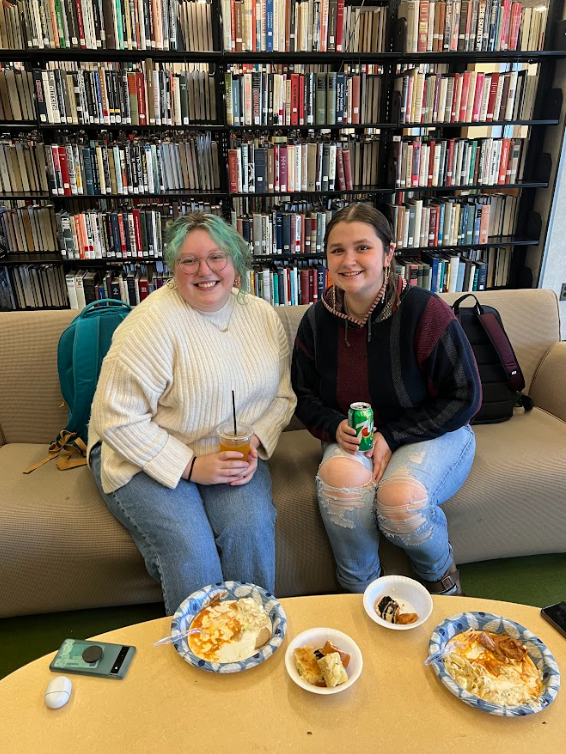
(208, 264)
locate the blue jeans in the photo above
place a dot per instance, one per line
(434, 471)
(198, 534)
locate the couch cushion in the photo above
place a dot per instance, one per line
(304, 558)
(514, 501)
(60, 548)
(30, 396)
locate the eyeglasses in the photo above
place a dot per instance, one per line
(216, 262)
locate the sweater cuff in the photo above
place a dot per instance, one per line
(168, 465)
(393, 445)
(268, 435)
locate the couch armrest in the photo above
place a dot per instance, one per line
(547, 389)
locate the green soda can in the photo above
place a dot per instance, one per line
(360, 418)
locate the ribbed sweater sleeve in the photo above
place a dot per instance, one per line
(445, 356)
(320, 420)
(124, 416)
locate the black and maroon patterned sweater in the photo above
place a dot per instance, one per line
(414, 365)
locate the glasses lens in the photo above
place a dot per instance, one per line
(188, 264)
(217, 262)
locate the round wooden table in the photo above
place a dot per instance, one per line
(165, 705)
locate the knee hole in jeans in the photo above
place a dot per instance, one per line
(403, 507)
(344, 485)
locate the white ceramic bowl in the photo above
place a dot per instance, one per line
(317, 638)
(410, 594)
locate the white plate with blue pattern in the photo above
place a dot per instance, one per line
(538, 652)
(228, 590)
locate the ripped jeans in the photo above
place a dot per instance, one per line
(428, 473)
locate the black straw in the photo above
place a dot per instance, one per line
(234, 414)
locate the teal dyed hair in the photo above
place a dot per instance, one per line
(225, 236)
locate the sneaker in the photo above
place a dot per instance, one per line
(448, 584)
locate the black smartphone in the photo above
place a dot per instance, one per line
(556, 616)
(93, 658)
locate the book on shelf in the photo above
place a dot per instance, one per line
(287, 284)
(472, 25)
(16, 93)
(473, 96)
(466, 220)
(431, 162)
(133, 167)
(301, 162)
(144, 93)
(308, 26)
(33, 286)
(271, 95)
(22, 166)
(455, 271)
(29, 228)
(184, 25)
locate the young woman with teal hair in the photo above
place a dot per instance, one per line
(198, 515)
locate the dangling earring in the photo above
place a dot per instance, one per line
(334, 297)
(386, 274)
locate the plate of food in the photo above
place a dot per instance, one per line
(494, 664)
(237, 626)
(323, 661)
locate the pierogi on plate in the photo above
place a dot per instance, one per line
(232, 630)
(494, 667)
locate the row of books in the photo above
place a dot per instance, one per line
(470, 96)
(134, 167)
(331, 98)
(22, 166)
(455, 272)
(283, 232)
(458, 162)
(32, 286)
(279, 166)
(472, 25)
(29, 228)
(287, 285)
(101, 24)
(16, 93)
(130, 234)
(134, 232)
(302, 26)
(138, 94)
(451, 222)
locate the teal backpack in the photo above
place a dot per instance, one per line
(81, 350)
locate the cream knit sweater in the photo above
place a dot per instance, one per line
(166, 385)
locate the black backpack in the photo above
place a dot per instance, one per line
(500, 374)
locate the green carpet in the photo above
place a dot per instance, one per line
(538, 580)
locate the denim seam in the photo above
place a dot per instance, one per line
(452, 468)
(151, 546)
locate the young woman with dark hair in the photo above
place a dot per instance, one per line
(374, 339)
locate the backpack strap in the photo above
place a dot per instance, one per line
(68, 442)
(499, 340)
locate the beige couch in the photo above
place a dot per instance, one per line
(60, 549)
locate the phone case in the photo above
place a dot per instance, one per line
(556, 616)
(114, 663)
